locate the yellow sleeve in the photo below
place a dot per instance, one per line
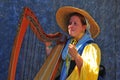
(91, 60)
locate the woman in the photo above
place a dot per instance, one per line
(81, 55)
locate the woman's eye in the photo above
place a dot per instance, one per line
(75, 23)
(70, 23)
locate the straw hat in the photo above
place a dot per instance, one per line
(62, 17)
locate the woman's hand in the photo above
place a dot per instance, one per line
(48, 48)
(72, 51)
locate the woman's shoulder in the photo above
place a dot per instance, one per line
(92, 46)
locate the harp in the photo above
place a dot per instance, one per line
(51, 64)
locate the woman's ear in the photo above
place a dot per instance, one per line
(84, 27)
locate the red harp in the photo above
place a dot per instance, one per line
(51, 64)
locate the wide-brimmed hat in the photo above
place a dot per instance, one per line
(62, 16)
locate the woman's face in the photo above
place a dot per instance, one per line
(75, 27)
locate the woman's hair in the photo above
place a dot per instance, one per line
(82, 18)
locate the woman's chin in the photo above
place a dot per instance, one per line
(71, 35)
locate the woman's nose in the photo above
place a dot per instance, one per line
(71, 25)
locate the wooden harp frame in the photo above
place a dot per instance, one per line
(29, 18)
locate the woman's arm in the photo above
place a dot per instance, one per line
(75, 55)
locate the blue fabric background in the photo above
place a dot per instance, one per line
(105, 12)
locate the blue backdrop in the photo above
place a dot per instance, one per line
(105, 12)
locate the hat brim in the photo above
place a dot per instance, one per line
(62, 16)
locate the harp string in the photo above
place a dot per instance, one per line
(32, 56)
(29, 56)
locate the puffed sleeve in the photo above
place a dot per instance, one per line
(91, 60)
